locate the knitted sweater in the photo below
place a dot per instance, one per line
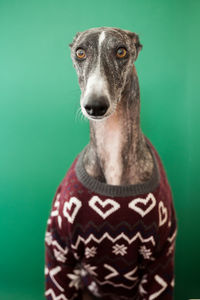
(116, 241)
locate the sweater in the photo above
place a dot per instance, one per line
(115, 241)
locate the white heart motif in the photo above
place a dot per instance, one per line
(67, 207)
(104, 215)
(162, 213)
(145, 201)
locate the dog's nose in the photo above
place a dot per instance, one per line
(97, 107)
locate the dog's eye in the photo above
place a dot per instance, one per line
(121, 52)
(80, 53)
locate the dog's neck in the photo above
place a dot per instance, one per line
(117, 153)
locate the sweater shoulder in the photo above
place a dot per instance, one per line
(66, 196)
(69, 184)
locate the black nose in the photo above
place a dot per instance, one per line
(97, 107)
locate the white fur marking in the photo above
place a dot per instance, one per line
(113, 170)
(109, 145)
(96, 82)
(101, 38)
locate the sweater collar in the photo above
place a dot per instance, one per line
(101, 188)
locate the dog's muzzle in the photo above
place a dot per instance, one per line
(96, 106)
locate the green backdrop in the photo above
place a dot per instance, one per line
(41, 132)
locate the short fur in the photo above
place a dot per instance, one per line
(117, 153)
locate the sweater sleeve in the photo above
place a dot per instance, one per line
(157, 281)
(62, 272)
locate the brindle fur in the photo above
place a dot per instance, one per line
(134, 164)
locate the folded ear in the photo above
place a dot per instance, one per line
(74, 39)
(135, 39)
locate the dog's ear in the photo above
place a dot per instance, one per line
(136, 41)
(74, 39)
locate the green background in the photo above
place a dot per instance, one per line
(41, 131)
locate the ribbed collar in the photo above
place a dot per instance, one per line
(109, 190)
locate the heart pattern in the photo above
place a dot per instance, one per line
(162, 213)
(102, 205)
(149, 203)
(70, 213)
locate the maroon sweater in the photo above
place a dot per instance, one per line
(116, 241)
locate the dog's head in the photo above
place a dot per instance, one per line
(102, 58)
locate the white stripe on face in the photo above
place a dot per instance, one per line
(96, 83)
(101, 38)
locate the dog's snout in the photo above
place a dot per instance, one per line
(97, 107)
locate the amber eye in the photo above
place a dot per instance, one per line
(80, 53)
(121, 52)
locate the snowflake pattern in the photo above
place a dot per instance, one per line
(119, 249)
(90, 252)
(90, 269)
(75, 279)
(59, 256)
(146, 253)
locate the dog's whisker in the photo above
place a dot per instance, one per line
(77, 114)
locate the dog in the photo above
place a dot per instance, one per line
(112, 228)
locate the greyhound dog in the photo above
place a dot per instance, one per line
(117, 153)
(113, 222)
